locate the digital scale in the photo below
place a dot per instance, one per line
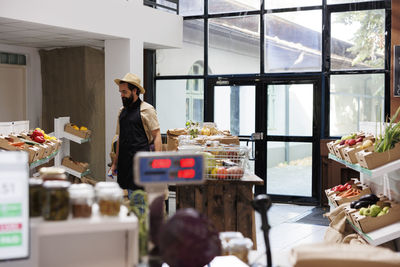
(156, 170)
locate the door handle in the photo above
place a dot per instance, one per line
(259, 136)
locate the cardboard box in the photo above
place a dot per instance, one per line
(365, 190)
(56, 143)
(339, 151)
(372, 160)
(349, 213)
(349, 153)
(82, 134)
(75, 165)
(331, 147)
(368, 223)
(33, 152)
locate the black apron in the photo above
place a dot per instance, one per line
(132, 138)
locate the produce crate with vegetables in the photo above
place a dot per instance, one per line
(362, 143)
(81, 132)
(226, 161)
(386, 148)
(377, 216)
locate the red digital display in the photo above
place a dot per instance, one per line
(186, 174)
(161, 163)
(187, 162)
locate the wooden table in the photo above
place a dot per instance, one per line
(227, 203)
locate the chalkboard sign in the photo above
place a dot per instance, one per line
(396, 64)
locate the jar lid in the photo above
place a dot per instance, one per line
(240, 243)
(35, 181)
(81, 191)
(226, 236)
(110, 192)
(101, 185)
(56, 184)
(51, 171)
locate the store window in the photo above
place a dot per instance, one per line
(178, 61)
(292, 43)
(11, 58)
(181, 105)
(270, 4)
(234, 45)
(358, 40)
(218, 6)
(356, 102)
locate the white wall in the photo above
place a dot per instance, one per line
(33, 82)
(119, 18)
(131, 25)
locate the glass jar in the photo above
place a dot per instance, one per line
(101, 185)
(55, 200)
(52, 173)
(35, 197)
(81, 199)
(109, 200)
(240, 247)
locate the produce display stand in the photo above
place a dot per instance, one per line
(94, 242)
(227, 203)
(59, 132)
(387, 233)
(43, 161)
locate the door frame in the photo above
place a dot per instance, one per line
(261, 109)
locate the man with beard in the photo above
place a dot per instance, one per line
(137, 127)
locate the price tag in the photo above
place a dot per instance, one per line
(14, 205)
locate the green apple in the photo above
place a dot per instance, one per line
(381, 213)
(375, 209)
(367, 212)
(385, 209)
(362, 210)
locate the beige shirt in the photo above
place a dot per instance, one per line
(149, 120)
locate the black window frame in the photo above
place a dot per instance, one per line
(321, 110)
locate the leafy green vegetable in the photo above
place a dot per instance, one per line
(391, 135)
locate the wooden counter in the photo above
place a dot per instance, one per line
(227, 203)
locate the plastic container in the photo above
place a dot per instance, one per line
(81, 199)
(52, 173)
(35, 197)
(240, 247)
(109, 200)
(55, 200)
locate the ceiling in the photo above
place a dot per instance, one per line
(21, 33)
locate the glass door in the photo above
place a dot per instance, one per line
(291, 141)
(277, 120)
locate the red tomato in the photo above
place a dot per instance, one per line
(222, 173)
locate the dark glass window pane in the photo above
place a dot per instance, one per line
(289, 168)
(331, 2)
(234, 45)
(270, 4)
(179, 61)
(191, 7)
(183, 103)
(293, 44)
(358, 40)
(356, 103)
(285, 103)
(223, 6)
(234, 109)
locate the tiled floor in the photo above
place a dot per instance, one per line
(285, 233)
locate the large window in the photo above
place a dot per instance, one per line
(237, 37)
(296, 71)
